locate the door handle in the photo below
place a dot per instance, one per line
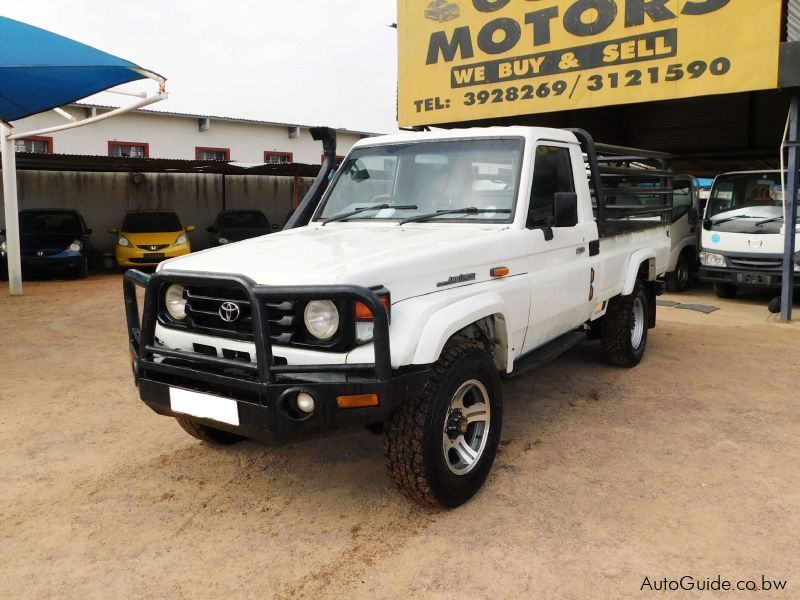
(580, 250)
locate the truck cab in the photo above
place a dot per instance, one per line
(684, 233)
(743, 233)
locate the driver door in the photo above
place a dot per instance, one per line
(559, 265)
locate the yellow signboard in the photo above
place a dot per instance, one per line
(463, 60)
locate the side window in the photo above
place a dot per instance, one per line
(552, 173)
(681, 199)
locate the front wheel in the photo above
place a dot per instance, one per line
(725, 290)
(623, 334)
(82, 272)
(679, 279)
(440, 446)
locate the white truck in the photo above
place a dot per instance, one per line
(430, 265)
(684, 223)
(743, 233)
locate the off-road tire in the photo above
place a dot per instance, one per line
(617, 325)
(725, 290)
(208, 434)
(681, 277)
(413, 439)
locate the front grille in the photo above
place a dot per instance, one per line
(154, 247)
(36, 253)
(755, 263)
(206, 308)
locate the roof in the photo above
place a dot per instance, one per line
(473, 132)
(216, 118)
(120, 164)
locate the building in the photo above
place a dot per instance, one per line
(107, 168)
(156, 134)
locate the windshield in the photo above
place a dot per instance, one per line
(42, 222)
(746, 195)
(427, 177)
(244, 220)
(151, 222)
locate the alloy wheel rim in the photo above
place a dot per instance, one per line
(637, 327)
(466, 427)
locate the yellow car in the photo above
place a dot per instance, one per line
(149, 236)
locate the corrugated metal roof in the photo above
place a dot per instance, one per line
(217, 118)
(120, 164)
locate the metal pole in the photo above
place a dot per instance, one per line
(224, 193)
(12, 211)
(790, 208)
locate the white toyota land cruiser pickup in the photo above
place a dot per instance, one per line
(427, 267)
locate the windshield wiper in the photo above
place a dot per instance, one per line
(469, 210)
(733, 218)
(772, 220)
(352, 213)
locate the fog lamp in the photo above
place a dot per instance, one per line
(305, 402)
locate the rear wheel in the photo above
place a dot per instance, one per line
(208, 434)
(623, 334)
(440, 446)
(725, 290)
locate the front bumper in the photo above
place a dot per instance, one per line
(263, 391)
(745, 278)
(131, 257)
(65, 261)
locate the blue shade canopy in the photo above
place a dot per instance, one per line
(40, 70)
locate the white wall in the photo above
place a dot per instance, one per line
(104, 198)
(177, 136)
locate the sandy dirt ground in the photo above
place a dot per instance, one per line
(686, 465)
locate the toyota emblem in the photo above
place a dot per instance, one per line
(229, 312)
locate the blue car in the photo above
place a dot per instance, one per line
(51, 240)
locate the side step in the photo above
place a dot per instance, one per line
(547, 353)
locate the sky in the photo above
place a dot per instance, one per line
(309, 62)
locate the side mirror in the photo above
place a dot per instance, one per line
(565, 209)
(211, 229)
(2, 231)
(114, 230)
(693, 217)
(189, 228)
(797, 259)
(89, 232)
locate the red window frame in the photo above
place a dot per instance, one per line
(268, 153)
(144, 145)
(199, 149)
(40, 138)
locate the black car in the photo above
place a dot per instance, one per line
(236, 225)
(51, 240)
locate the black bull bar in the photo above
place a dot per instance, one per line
(261, 389)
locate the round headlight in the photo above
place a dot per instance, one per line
(3, 246)
(224, 241)
(321, 319)
(123, 241)
(75, 246)
(176, 303)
